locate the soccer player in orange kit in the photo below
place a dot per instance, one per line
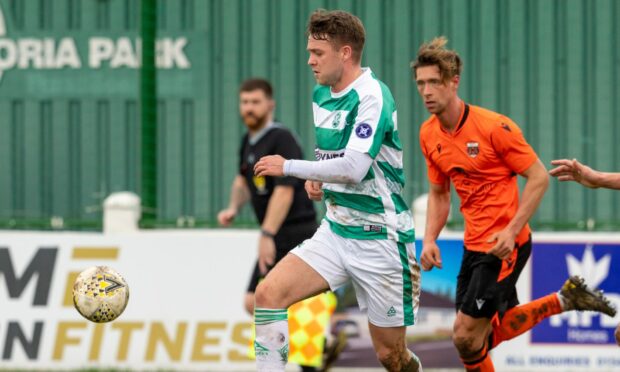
(481, 153)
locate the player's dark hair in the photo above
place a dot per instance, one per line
(253, 84)
(435, 53)
(339, 28)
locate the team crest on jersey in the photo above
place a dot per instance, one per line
(472, 149)
(363, 130)
(336, 121)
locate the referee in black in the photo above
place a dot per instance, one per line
(286, 215)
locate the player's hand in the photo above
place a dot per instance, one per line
(226, 216)
(270, 165)
(504, 244)
(430, 257)
(314, 190)
(618, 335)
(573, 170)
(266, 253)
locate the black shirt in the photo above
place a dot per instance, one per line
(274, 140)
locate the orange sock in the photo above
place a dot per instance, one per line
(480, 362)
(523, 318)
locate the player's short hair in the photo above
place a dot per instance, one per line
(339, 28)
(253, 84)
(435, 53)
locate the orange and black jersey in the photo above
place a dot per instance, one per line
(481, 158)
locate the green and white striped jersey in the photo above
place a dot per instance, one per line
(362, 117)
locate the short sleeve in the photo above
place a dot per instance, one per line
(435, 175)
(509, 142)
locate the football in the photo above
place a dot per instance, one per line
(100, 294)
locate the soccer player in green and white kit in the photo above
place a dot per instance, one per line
(367, 235)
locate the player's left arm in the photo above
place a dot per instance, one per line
(352, 167)
(535, 187)
(510, 144)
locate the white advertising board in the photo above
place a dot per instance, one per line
(185, 310)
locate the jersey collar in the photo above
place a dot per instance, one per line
(464, 116)
(462, 120)
(253, 139)
(365, 72)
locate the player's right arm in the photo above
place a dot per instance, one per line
(239, 195)
(353, 165)
(438, 206)
(437, 212)
(314, 189)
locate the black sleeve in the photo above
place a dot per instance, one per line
(286, 145)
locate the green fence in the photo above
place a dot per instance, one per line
(70, 95)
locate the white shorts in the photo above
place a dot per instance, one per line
(385, 273)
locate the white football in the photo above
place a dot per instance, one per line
(100, 294)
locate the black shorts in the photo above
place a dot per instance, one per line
(286, 239)
(486, 285)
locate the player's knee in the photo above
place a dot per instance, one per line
(389, 357)
(267, 296)
(262, 295)
(464, 341)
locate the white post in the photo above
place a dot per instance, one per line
(121, 212)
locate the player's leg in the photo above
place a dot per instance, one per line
(522, 318)
(311, 268)
(386, 277)
(511, 320)
(477, 301)
(391, 349)
(470, 339)
(574, 295)
(289, 237)
(281, 287)
(290, 281)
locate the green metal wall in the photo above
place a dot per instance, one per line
(69, 137)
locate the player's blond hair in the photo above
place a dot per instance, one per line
(435, 53)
